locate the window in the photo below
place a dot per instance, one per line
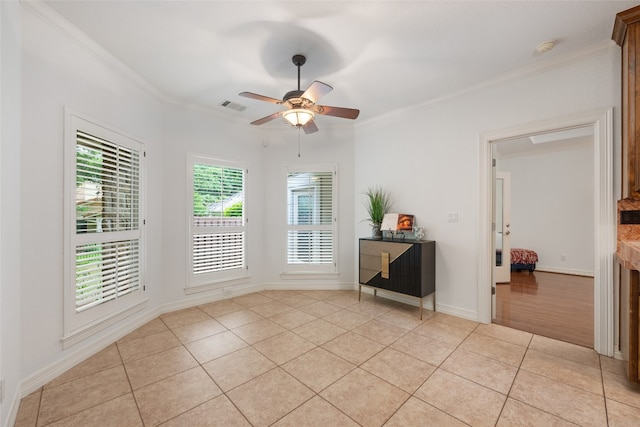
(104, 224)
(311, 220)
(217, 221)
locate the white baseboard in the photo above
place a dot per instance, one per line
(50, 372)
(458, 312)
(427, 302)
(43, 376)
(13, 410)
(200, 298)
(306, 286)
(564, 271)
(77, 355)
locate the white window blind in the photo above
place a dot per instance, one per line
(310, 220)
(104, 216)
(107, 203)
(106, 271)
(107, 185)
(217, 221)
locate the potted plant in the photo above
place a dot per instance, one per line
(378, 204)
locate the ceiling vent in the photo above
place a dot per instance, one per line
(233, 105)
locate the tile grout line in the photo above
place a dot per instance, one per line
(252, 346)
(604, 393)
(549, 378)
(358, 366)
(431, 374)
(514, 380)
(200, 365)
(276, 366)
(385, 346)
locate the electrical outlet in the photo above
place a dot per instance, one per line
(452, 217)
(1, 390)
(226, 292)
(563, 257)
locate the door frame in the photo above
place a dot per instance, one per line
(604, 215)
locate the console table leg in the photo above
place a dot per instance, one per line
(420, 308)
(359, 291)
(375, 292)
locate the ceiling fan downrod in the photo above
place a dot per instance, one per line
(298, 61)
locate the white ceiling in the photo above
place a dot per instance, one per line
(379, 56)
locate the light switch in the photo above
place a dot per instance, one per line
(452, 217)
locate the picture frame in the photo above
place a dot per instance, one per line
(397, 222)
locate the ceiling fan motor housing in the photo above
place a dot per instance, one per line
(294, 99)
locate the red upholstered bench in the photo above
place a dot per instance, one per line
(523, 259)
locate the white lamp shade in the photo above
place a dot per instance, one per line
(298, 116)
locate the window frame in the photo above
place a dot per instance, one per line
(318, 270)
(214, 280)
(79, 325)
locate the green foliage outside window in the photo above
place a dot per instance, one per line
(234, 210)
(213, 185)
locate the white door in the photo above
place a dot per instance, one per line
(502, 235)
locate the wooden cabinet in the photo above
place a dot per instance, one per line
(405, 267)
(630, 342)
(626, 33)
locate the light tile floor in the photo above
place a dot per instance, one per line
(321, 358)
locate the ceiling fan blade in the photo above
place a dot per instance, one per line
(260, 97)
(345, 113)
(266, 119)
(310, 127)
(316, 91)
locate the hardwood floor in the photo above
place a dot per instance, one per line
(554, 305)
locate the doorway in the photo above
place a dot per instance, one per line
(544, 211)
(604, 216)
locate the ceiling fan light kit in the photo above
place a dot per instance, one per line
(301, 105)
(298, 116)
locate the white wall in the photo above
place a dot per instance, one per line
(189, 131)
(323, 147)
(552, 206)
(266, 151)
(428, 157)
(58, 72)
(10, 327)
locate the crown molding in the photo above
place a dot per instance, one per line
(47, 14)
(540, 67)
(50, 16)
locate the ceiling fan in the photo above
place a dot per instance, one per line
(301, 105)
